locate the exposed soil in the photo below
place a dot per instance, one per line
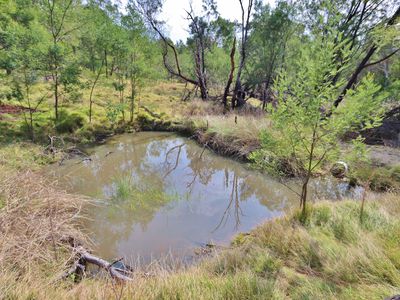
(12, 109)
(384, 156)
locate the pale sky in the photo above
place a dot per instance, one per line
(174, 14)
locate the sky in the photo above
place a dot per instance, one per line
(174, 14)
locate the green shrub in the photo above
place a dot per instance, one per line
(69, 123)
(395, 173)
(380, 179)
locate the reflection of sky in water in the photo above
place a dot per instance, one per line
(184, 201)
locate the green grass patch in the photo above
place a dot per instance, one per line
(380, 179)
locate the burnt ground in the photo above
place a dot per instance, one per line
(388, 134)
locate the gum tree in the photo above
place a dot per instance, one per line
(56, 15)
(27, 40)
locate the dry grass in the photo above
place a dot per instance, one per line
(231, 134)
(37, 223)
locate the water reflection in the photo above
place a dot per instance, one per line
(160, 193)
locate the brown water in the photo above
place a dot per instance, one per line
(160, 194)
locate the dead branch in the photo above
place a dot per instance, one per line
(148, 12)
(363, 64)
(84, 258)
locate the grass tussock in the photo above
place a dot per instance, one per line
(23, 155)
(330, 256)
(231, 134)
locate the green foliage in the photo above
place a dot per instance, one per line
(113, 110)
(268, 42)
(69, 123)
(380, 179)
(306, 126)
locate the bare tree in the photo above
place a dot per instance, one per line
(238, 93)
(149, 9)
(198, 30)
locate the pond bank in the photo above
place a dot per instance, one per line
(282, 258)
(244, 271)
(237, 136)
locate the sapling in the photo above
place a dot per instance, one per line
(306, 128)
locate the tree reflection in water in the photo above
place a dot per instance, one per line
(173, 195)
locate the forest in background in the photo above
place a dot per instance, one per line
(68, 45)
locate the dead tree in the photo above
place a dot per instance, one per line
(198, 27)
(230, 77)
(149, 9)
(238, 98)
(364, 62)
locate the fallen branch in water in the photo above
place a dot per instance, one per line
(84, 258)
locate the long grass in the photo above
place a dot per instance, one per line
(38, 226)
(230, 134)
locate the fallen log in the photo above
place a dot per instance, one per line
(84, 258)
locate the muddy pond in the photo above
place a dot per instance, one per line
(159, 194)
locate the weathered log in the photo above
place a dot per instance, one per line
(84, 258)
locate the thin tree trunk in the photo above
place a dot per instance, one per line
(238, 97)
(133, 93)
(91, 92)
(230, 78)
(265, 92)
(303, 196)
(105, 61)
(56, 93)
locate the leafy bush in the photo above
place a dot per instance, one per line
(68, 123)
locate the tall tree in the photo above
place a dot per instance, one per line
(238, 98)
(28, 39)
(267, 47)
(56, 13)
